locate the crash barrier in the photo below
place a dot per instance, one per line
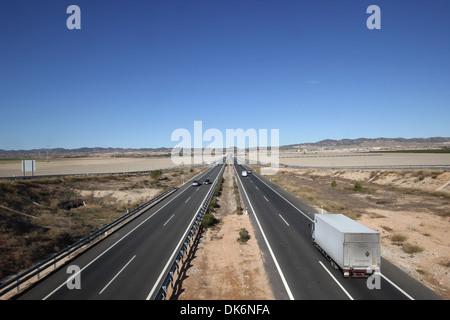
(45, 267)
(176, 267)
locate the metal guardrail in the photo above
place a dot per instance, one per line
(94, 237)
(187, 243)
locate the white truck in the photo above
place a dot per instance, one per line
(347, 244)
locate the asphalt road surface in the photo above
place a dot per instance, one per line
(131, 263)
(296, 269)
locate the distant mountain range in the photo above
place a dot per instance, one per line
(327, 144)
(375, 143)
(84, 152)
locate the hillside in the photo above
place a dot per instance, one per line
(327, 144)
(375, 143)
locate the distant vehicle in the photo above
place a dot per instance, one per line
(207, 181)
(195, 183)
(347, 244)
(244, 173)
(249, 171)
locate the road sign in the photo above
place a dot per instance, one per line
(28, 166)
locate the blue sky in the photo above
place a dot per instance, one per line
(138, 70)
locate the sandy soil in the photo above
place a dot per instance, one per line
(321, 158)
(340, 159)
(223, 268)
(34, 225)
(84, 166)
(424, 229)
(413, 204)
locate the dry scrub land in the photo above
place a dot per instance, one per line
(11, 168)
(43, 216)
(411, 210)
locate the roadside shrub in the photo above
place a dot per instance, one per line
(214, 204)
(243, 235)
(357, 186)
(412, 248)
(156, 174)
(398, 237)
(208, 220)
(218, 190)
(333, 183)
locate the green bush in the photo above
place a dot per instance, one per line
(333, 183)
(357, 186)
(243, 235)
(156, 174)
(398, 237)
(411, 248)
(208, 220)
(214, 204)
(218, 189)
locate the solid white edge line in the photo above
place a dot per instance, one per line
(392, 283)
(397, 287)
(343, 289)
(116, 275)
(286, 286)
(101, 254)
(175, 251)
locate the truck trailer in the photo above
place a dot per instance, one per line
(347, 244)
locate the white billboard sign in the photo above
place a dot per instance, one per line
(28, 166)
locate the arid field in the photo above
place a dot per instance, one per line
(42, 216)
(337, 159)
(86, 166)
(410, 208)
(363, 159)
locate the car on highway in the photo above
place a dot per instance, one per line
(249, 171)
(207, 181)
(195, 183)
(244, 173)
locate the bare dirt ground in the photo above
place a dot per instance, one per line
(86, 166)
(36, 222)
(223, 268)
(11, 168)
(363, 159)
(411, 210)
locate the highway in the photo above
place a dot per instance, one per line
(295, 268)
(131, 263)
